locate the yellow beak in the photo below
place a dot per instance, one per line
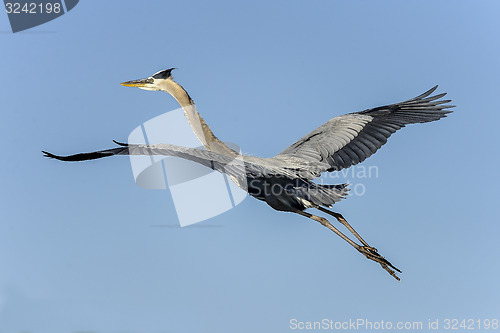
(137, 83)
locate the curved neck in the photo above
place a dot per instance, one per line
(197, 123)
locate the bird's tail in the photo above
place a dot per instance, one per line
(322, 195)
(335, 192)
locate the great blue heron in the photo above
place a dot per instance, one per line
(285, 181)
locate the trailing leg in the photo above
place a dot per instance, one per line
(343, 221)
(366, 250)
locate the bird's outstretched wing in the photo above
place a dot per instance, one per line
(239, 167)
(349, 139)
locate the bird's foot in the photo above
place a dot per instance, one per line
(370, 249)
(372, 254)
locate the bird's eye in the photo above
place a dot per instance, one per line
(151, 80)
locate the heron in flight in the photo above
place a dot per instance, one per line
(285, 181)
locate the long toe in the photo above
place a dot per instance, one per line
(372, 254)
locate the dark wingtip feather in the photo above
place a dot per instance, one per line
(58, 157)
(428, 92)
(121, 143)
(46, 154)
(50, 155)
(82, 156)
(424, 95)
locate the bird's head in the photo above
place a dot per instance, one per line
(155, 82)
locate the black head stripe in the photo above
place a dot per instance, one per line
(163, 74)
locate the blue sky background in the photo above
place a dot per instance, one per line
(78, 246)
